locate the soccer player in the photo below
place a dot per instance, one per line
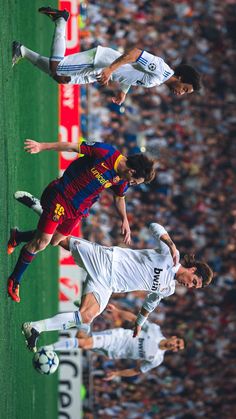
(148, 349)
(133, 68)
(66, 200)
(116, 269)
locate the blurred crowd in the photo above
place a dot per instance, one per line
(193, 196)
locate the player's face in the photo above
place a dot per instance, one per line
(180, 89)
(189, 279)
(174, 344)
(129, 176)
(134, 181)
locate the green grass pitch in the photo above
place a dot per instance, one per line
(29, 109)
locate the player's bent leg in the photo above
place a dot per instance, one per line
(57, 238)
(58, 47)
(54, 14)
(70, 343)
(20, 51)
(17, 237)
(31, 336)
(85, 343)
(26, 256)
(12, 242)
(89, 308)
(62, 79)
(39, 242)
(53, 68)
(65, 243)
(16, 52)
(61, 321)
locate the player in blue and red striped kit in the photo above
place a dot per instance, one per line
(68, 199)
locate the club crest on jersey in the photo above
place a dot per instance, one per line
(116, 179)
(152, 66)
(58, 212)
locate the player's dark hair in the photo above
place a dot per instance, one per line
(203, 269)
(143, 167)
(188, 75)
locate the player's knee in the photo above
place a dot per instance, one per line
(55, 241)
(61, 79)
(40, 244)
(87, 316)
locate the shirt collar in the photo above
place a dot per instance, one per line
(175, 268)
(118, 161)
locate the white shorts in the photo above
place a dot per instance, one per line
(84, 67)
(97, 261)
(80, 67)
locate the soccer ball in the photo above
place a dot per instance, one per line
(45, 362)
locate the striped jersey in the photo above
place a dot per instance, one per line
(93, 171)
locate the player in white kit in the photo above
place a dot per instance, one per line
(133, 68)
(118, 270)
(148, 349)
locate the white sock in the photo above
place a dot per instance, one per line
(36, 59)
(61, 321)
(84, 327)
(64, 344)
(59, 40)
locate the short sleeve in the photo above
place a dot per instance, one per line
(87, 147)
(120, 189)
(155, 65)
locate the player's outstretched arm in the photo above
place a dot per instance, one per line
(119, 98)
(140, 320)
(165, 238)
(130, 372)
(128, 57)
(121, 209)
(34, 147)
(118, 313)
(160, 234)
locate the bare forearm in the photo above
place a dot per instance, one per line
(34, 147)
(130, 372)
(127, 315)
(120, 207)
(59, 146)
(165, 238)
(144, 312)
(126, 58)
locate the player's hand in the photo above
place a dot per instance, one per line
(110, 375)
(125, 231)
(32, 147)
(104, 77)
(137, 330)
(119, 99)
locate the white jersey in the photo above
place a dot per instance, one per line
(120, 344)
(148, 70)
(116, 269)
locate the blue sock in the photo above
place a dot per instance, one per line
(23, 262)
